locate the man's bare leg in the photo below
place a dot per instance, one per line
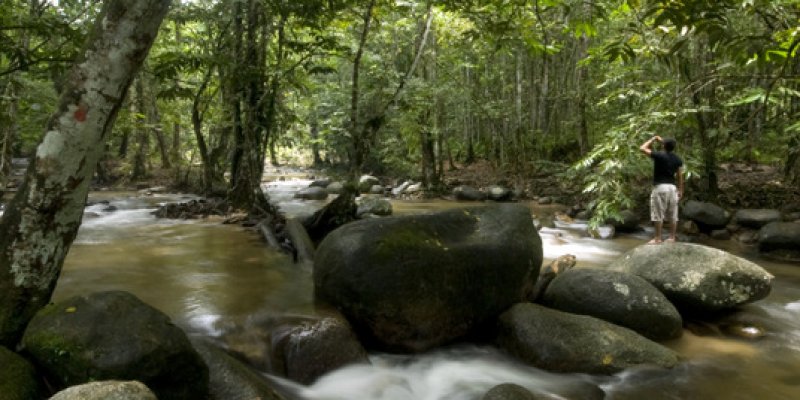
(673, 230)
(657, 238)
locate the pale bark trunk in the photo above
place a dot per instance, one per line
(43, 219)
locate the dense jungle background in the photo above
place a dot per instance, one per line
(546, 96)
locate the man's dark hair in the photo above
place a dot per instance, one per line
(669, 144)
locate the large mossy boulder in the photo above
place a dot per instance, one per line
(563, 342)
(115, 336)
(106, 390)
(617, 297)
(18, 378)
(697, 279)
(411, 283)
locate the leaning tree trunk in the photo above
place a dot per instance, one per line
(43, 219)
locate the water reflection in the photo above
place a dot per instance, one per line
(197, 272)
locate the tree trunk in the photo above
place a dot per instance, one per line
(315, 143)
(43, 219)
(197, 126)
(8, 127)
(359, 147)
(142, 139)
(583, 87)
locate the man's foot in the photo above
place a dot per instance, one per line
(671, 240)
(654, 241)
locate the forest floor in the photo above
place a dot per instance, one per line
(741, 185)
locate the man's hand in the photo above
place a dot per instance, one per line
(645, 147)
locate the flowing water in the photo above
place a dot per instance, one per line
(207, 276)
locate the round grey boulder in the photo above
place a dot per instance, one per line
(468, 193)
(500, 193)
(106, 390)
(563, 342)
(115, 336)
(696, 278)
(18, 378)
(335, 188)
(374, 206)
(780, 236)
(707, 216)
(756, 218)
(411, 283)
(366, 182)
(617, 297)
(312, 350)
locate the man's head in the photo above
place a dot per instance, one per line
(669, 144)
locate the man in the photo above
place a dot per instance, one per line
(667, 169)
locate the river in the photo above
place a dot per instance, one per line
(208, 276)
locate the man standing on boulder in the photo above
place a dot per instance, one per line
(667, 169)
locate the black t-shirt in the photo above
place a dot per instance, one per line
(665, 165)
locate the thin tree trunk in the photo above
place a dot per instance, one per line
(142, 139)
(42, 221)
(197, 126)
(9, 129)
(359, 147)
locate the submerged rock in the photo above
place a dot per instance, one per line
(231, 379)
(312, 350)
(563, 342)
(617, 297)
(411, 283)
(695, 278)
(115, 336)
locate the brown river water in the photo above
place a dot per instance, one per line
(207, 276)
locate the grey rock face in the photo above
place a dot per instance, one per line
(695, 278)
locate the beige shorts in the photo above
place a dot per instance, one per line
(664, 203)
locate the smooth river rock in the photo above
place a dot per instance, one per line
(696, 278)
(563, 342)
(411, 283)
(115, 336)
(106, 390)
(617, 297)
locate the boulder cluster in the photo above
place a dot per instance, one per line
(404, 284)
